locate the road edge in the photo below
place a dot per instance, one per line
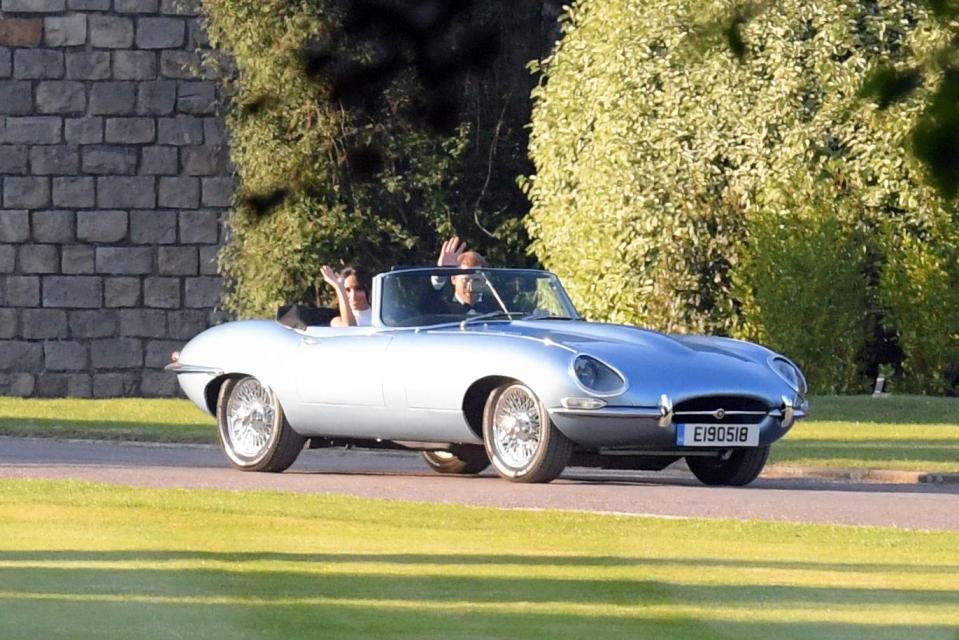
(852, 474)
(771, 472)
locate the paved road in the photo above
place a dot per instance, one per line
(403, 476)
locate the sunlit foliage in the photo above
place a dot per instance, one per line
(757, 171)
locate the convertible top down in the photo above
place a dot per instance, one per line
(518, 381)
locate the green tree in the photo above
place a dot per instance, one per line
(691, 177)
(324, 180)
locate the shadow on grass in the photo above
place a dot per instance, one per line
(280, 585)
(256, 602)
(95, 621)
(467, 559)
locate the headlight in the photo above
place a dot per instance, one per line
(586, 371)
(790, 373)
(596, 377)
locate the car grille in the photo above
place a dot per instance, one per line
(720, 410)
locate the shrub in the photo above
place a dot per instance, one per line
(921, 292)
(667, 149)
(804, 291)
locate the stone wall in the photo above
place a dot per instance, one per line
(114, 184)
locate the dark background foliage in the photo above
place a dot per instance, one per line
(367, 132)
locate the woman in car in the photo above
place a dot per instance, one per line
(352, 286)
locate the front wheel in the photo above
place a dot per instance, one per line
(459, 461)
(253, 428)
(736, 468)
(522, 442)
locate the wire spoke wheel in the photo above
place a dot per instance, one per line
(460, 460)
(250, 417)
(517, 426)
(253, 429)
(521, 440)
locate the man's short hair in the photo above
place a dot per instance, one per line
(471, 259)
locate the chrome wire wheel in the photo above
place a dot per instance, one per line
(521, 440)
(250, 419)
(517, 426)
(254, 431)
(460, 460)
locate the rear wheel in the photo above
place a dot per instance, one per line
(521, 440)
(460, 461)
(736, 468)
(253, 428)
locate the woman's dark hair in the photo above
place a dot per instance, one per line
(364, 277)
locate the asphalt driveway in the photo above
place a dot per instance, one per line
(403, 476)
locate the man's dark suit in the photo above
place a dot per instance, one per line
(484, 305)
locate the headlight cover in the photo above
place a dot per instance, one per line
(790, 373)
(596, 377)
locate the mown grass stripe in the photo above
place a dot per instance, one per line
(813, 612)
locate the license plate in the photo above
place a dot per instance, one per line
(717, 435)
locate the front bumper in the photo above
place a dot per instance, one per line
(193, 379)
(179, 367)
(650, 427)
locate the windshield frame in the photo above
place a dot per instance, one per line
(446, 272)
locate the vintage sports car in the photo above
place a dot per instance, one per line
(516, 379)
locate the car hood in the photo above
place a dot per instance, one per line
(654, 363)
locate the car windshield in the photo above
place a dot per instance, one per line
(422, 297)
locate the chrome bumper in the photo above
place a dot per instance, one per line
(610, 412)
(179, 367)
(663, 414)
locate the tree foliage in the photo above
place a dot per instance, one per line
(757, 171)
(335, 142)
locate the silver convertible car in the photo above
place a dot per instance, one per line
(516, 379)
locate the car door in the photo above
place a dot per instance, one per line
(426, 376)
(339, 375)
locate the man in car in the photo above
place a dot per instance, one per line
(470, 293)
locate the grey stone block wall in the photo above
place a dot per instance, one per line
(114, 185)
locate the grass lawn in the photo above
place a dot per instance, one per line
(144, 419)
(917, 433)
(90, 561)
(894, 432)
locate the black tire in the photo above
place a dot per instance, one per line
(281, 444)
(741, 467)
(547, 456)
(458, 461)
